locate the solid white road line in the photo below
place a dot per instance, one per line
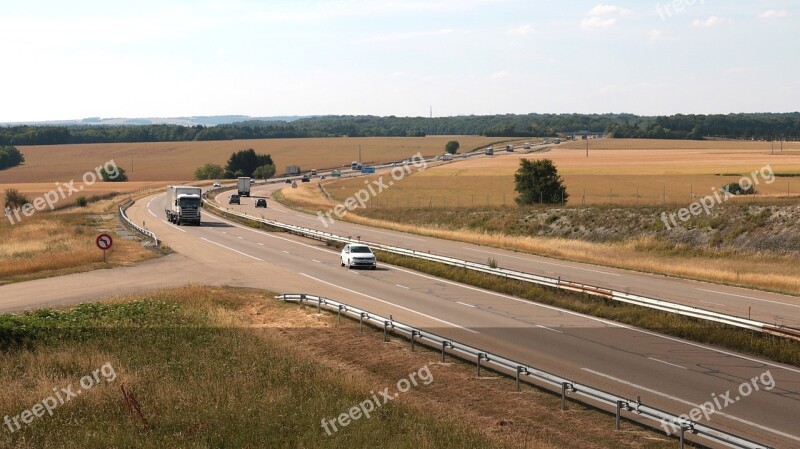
(666, 363)
(540, 261)
(465, 304)
(691, 404)
(750, 297)
(151, 212)
(231, 249)
(550, 329)
(390, 303)
(715, 303)
(170, 224)
(402, 286)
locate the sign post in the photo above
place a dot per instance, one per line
(104, 242)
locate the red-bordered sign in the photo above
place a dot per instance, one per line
(104, 241)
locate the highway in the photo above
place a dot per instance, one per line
(665, 372)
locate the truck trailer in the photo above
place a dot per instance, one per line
(243, 184)
(292, 170)
(183, 204)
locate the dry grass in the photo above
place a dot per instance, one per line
(618, 171)
(165, 161)
(219, 367)
(57, 243)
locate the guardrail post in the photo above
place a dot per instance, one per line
(445, 344)
(481, 355)
(361, 322)
(683, 429)
(385, 331)
(565, 386)
(339, 314)
(414, 333)
(319, 304)
(302, 300)
(520, 369)
(619, 412)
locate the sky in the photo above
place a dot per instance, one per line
(169, 58)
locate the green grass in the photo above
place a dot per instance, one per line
(201, 378)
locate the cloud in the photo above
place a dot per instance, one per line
(523, 30)
(658, 35)
(592, 23)
(603, 17)
(710, 22)
(773, 14)
(499, 75)
(602, 10)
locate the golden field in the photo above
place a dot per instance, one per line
(163, 161)
(617, 171)
(34, 190)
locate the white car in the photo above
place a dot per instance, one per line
(217, 184)
(357, 255)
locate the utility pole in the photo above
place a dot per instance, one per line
(359, 154)
(587, 146)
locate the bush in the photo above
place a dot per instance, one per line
(452, 146)
(539, 182)
(15, 200)
(81, 201)
(209, 171)
(735, 188)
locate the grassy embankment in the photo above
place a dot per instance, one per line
(56, 243)
(221, 367)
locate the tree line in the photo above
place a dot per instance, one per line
(731, 126)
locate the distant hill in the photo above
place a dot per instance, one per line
(210, 120)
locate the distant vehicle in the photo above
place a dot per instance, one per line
(368, 170)
(527, 146)
(216, 184)
(357, 255)
(234, 199)
(322, 177)
(183, 204)
(406, 162)
(488, 151)
(336, 174)
(292, 170)
(556, 141)
(294, 185)
(314, 172)
(464, 155)
(306, 179)
(447, 157)
(243, 184)
(261, 202)
(509, 148)
(355, 165)
(288, 181)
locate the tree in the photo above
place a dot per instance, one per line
(209, 171)
(264, 172)
(247, 161)
(10, 157)
(116, 175)
(452, 146)
(538, 181)
(15, 200)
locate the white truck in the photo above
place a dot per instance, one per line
(447, 157)
(183, 204)
(243, 185)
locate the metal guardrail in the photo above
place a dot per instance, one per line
(128, 222)
(523, 372)
(558, 283)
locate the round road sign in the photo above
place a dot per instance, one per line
(104, 241)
